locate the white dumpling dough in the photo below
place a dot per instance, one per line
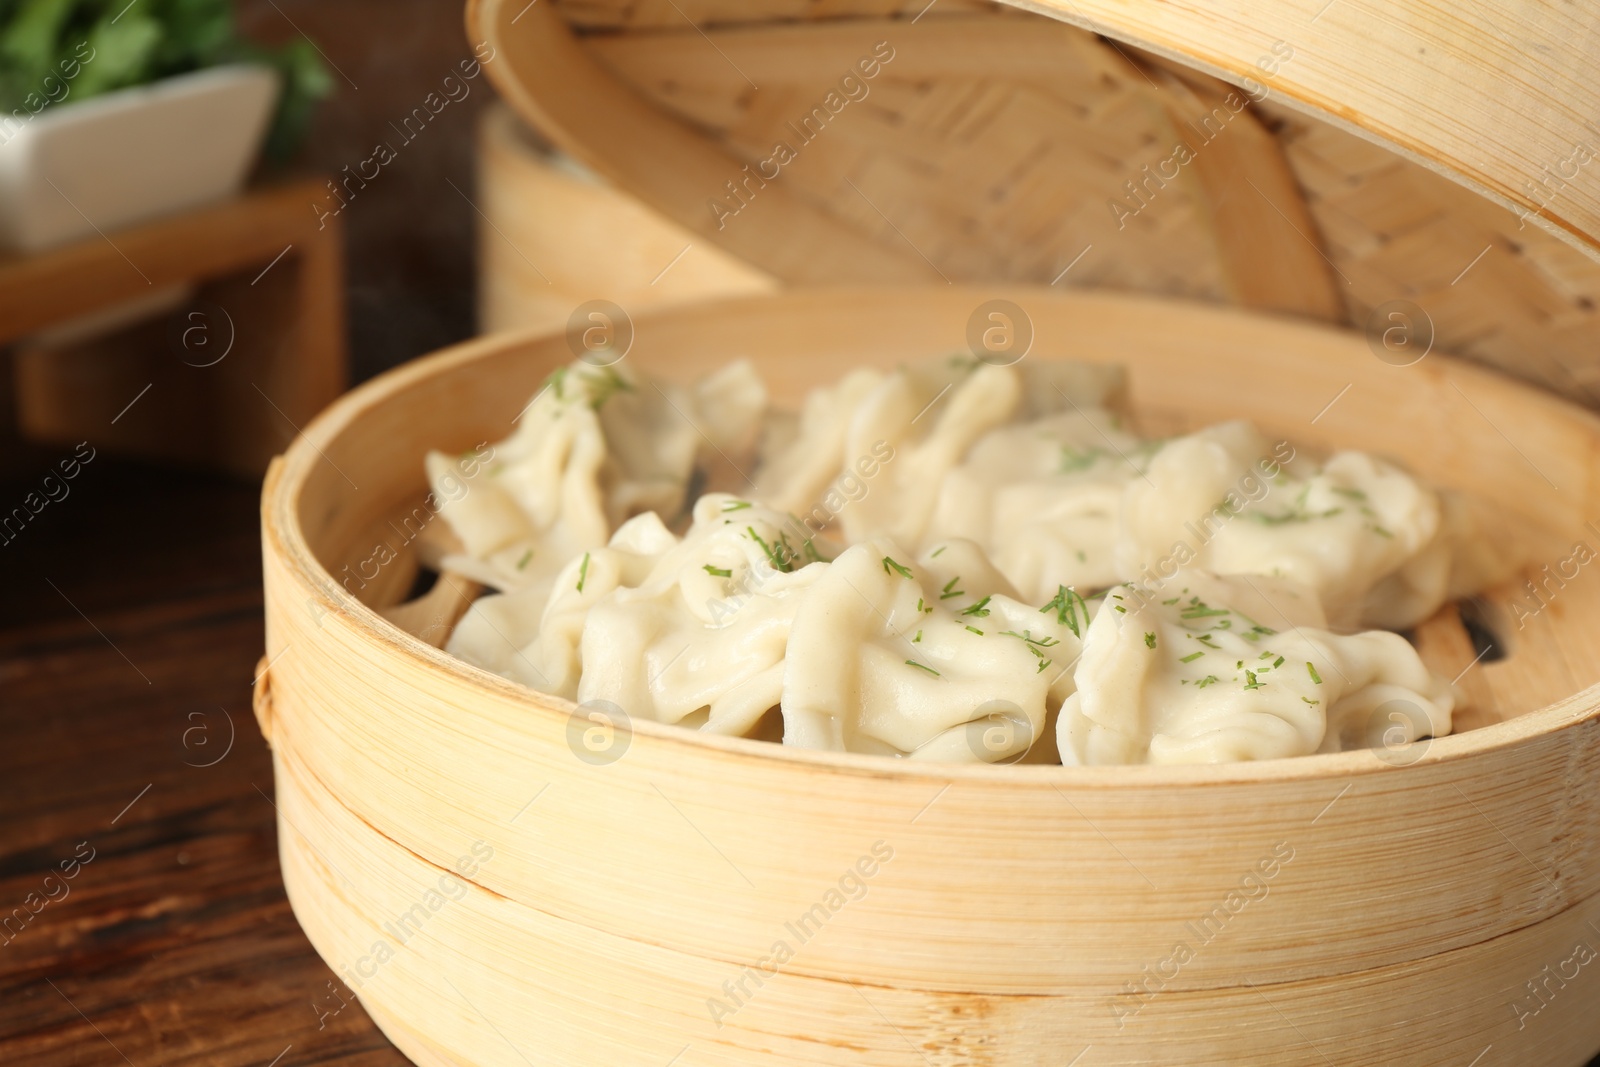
(1043, 498)
(901, 499)
(1179, 674)
(531, 636)
(1228, 501)
(796, 474)
(595, 446)
(976, 500)
(920, 420)
(895, 657)
(701, 639)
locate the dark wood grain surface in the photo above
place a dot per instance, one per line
(130, 625)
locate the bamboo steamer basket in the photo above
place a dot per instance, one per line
(1420, 897)
(1435, 906)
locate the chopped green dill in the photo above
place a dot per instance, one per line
(1202, 611)
(1252, 683)
(1069, 607)
(950, 589)
(523, 562)
(558, 382)
(1034, 644)
(1209, 679)
(811, 552)
(1027, 635)
(1174, 600)
(1353, 494)
(1191, 657)
(922, 607)
(917, 638)
(774, 554)
(938, 550)
(583, 572)
(1265, 655)
(966, 363)
(1073, 460)
(975, 630)
(735, 505)
(1149, 640)
(717, 572)
(978, 609)
(1277, 662)
(604, 385)
(1207, 640)
(1283, 518)
(1381, 532)
(903, 571)
(922, 667)
(1082, 557)
(1315, 677)
(1308, 700)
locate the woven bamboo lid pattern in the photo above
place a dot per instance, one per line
(995, 144)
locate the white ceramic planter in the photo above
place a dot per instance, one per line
(131, 155)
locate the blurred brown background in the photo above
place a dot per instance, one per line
(409, 235)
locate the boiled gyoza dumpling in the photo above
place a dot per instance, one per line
(1228, 501)
(1043, 499)
(796, 475)
(923, 658)
(532, 636)
(900, 501)
(595, 446)
(700, 640)
(917, 422)
(688, 631)
(901, 575)
(1188, 671)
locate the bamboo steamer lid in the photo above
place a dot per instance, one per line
(1386, 154)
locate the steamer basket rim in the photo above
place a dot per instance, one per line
(283, 539)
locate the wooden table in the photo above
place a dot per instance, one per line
(175, 945)
(254, 347)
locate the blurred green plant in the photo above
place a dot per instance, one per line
(140, 42)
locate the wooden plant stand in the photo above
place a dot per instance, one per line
(224, 379)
